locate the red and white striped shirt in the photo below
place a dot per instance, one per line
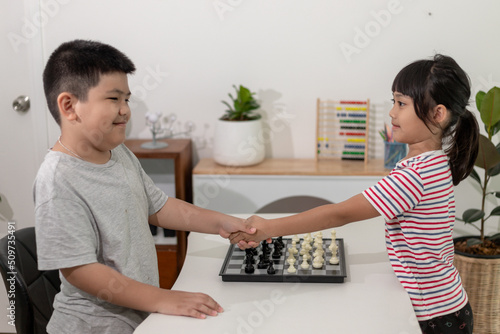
(418, 204)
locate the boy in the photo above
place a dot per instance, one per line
(93, 202)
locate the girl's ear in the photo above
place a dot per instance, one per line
(66, 103)
(441, 114)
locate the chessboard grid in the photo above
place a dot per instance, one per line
(233, 268)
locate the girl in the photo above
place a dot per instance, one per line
(417, 198)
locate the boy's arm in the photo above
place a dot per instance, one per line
(109, 285)
(320, 218)
(182, 216)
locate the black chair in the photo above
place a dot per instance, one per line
(31, 290)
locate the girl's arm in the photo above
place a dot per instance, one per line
(323, 217)
(109, 285)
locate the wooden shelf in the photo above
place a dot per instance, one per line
(309, 167)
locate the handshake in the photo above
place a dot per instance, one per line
(253, 232)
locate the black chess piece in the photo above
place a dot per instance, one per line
(265, 248)
(277, 253)
(249, 256)
(270, 269)
(279, 243)
(249, 268)
(263, 262)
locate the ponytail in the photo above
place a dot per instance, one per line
(463, 146)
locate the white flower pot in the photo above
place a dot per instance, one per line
(239, 143)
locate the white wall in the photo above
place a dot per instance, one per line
(289, 52)
(189, 54)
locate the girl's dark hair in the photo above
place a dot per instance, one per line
(441, 81)
(76, 67)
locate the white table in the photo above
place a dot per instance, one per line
(371, 300)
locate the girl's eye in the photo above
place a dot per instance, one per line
(113, 98)
(401, 104)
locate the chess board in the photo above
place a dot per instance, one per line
(233, 268)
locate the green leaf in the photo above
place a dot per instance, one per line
(495, 129)
(476, 177)
(497, 194)
(490, 108)
(495, 211)
(488, 156)
(495, 237)
(495, 170)
(473, 241)
(472, 215)
(479, 99)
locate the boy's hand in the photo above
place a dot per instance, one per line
(191, 304)
(233, 226)
(246, 240)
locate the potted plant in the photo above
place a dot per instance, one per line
(238, 139)
(477, 258)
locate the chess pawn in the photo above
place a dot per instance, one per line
(295, 239)
(306, 257)
(303, 250)
(292, 269)
(293, 249)
(270, 269)
(291, 261)
(304, 264)
(334, 260)
(318, 262)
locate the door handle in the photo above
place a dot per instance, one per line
(21, 103)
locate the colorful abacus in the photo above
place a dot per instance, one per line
(342, 130)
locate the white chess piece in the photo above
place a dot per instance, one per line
(291, 269)
(318, 252)
(291, 261)
(334, 260)
(304, 264)
(295, 238)
(318, 262)
(333, 247)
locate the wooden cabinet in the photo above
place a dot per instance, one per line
(247, 189)
(171, 257)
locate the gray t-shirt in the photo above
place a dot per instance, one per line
(87, 213)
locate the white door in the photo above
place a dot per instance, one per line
(23, 135)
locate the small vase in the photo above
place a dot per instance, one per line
(239, 143)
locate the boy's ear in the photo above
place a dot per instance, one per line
(66, 103)
(441, 114)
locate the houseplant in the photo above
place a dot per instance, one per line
(238, 139)
(477, 258)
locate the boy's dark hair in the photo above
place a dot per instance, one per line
(442, 81)
(76, 66)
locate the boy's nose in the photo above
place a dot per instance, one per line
(124, 110)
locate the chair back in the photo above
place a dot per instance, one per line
(31, 292)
